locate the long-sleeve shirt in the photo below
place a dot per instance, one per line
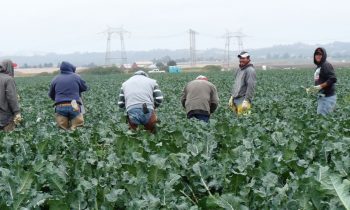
(200, 96)
(245, 83)
(139, 90)
(67, 86)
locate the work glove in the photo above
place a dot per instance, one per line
(245, 105)
(230, 102)
(75, 105)
(313, 89)
(17, 119)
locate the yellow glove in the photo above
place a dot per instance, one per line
(243, 109)
(245, 105)
(17, 119)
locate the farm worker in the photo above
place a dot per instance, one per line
(140, 96)
(9, 107)
(65, 90)
(200, 99)
(244, 86)
(325, 80)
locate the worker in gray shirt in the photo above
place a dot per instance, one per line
(9, 108)
(244, 86)
(140, 96)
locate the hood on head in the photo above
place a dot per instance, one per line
(7, 67)
(67, 67)
(324, 55)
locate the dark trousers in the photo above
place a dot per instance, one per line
(202, 117)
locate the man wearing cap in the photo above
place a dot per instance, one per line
(140, 96)
(65, 90)
(9, 108)
(325, 80)
(200, 98)
(244, 86)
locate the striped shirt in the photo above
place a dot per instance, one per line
(139, 90)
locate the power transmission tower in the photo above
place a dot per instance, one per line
(120, 32)
(193, 47)
(239, 36)
(227, 37)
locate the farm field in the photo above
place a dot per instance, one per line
(281, 156)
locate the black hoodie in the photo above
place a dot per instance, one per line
(326, 74)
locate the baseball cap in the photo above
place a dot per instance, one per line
(243, 54)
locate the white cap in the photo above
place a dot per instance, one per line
(140, 72)
(201, 77)
(243, 55)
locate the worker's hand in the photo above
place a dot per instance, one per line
(245, 105)
(313, 89)
(230, 102)
(18, 97)
(17, 119)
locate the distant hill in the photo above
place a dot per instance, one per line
(299, 51)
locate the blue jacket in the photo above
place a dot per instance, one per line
(67, 86)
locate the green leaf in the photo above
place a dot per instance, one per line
(114, 195)
(334, 185)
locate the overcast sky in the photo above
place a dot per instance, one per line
(65, 26)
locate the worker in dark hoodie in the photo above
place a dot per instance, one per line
(9, 108)
(325, 80)
(65, 90)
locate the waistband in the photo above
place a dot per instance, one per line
(64, 104)
(139, 106)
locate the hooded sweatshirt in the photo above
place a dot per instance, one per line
(8, 96)
(7, 67)
(325, 73)
(67, 86)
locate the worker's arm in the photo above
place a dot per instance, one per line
(329, 72)
(251, 83)
(214, 99)
(11, 96)
(121, 99)
(157, 96)
(183, 97)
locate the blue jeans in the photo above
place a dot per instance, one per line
(137, 117)
(67, 111)
(326, 105)
(201, 117)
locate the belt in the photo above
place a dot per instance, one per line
(64, 104)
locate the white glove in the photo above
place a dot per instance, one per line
(245, 104)
(230, 102)
(17, 119)
(75, 105)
